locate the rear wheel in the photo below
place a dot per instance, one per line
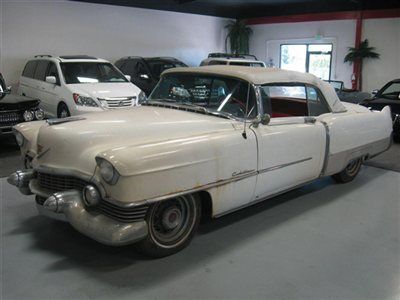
(63, 111)
(172, 224)
(350, 172)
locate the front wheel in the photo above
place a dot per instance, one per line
(349, 173)
(63, 111)
(172, 224)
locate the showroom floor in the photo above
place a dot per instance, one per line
(321, 241)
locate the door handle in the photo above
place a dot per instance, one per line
(310, 120)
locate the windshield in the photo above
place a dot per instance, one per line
(220, 95)
(91, 72)
(391, 91)
(158, 66)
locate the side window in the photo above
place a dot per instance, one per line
(142, 72)
(316, 103)
(129, 68)
(284, 100)
(52, 71)
(29, 69)
(41, 69)
(217, 63)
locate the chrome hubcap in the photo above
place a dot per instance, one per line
(172, 221)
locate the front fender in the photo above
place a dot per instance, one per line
(30, 131)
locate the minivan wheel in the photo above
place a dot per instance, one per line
(172, 224)
(63, 111)
(349, 173)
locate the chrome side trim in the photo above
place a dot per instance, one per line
(327, 148)
(283, 165)
(262, 199)
(64, 120)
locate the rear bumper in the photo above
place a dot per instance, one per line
(69, 206)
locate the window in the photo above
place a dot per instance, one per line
(311, 58)
(247, 64)
(91, 72)
(217, 94)
(41, 69)
(391, 91)
(291, 100)
(29, 69)
(52, 71)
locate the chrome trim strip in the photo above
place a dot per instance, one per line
(283, 165)
(64, 120)
(327, 148)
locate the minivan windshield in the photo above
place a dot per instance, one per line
(211, 93)
(90, 72)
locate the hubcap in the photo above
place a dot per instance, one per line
(352, 167)
(172, 221)
(64, 113)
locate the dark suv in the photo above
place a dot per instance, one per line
(145, 71)
(16, 109)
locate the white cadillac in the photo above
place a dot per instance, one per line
(209, 140)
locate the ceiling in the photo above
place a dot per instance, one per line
(253, 8)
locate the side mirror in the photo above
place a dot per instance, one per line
(265, 119)
(144, 76)
(128, 77)
(374, 92)
(51, 79)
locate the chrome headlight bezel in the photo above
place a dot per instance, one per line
(39, 114)
(141, 97)
(107, 171)
(28, 116)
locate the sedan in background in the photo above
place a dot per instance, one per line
(388, 95)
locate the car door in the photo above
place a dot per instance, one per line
(27, 83)
(39, 84)
(50, 91)
(291, 148)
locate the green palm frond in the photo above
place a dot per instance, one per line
(363, 51)
(238, 35)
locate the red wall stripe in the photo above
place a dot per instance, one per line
(345, 15)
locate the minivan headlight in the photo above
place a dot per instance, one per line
(84, 101)
(107, 171)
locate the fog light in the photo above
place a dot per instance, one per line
(91, 195)
(28, 116)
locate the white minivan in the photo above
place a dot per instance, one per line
(73, 85)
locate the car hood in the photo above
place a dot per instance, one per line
(74, 145)
(16, 102)
(106, 89)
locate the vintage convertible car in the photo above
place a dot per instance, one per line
(208, 141)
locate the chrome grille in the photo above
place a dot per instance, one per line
(119, 101)
(122, 214)
(10, 118)
(59, 183)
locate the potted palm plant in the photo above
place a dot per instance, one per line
(356, 55)
(238, 35)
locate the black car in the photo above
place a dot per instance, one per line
(16, 109)
(388, 95)
(348, 95)
(145, 71)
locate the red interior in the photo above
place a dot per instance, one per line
(288, 107)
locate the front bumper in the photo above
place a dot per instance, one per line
(69, 206)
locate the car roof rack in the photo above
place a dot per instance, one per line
(77, 57)
(232, 55)
(43, 55)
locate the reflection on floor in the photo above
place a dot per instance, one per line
(324, 240)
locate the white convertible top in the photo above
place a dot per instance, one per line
(260, 76)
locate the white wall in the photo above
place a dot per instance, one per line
(384, 35)
(64, 27)
(267, 38)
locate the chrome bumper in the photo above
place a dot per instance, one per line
(69, 206)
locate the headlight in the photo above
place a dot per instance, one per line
(28, 116)
(84, 101)
(141, 97)
(19, 138)
(39, 114)
(107, 171)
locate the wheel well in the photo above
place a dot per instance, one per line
(59, 104)
(206, 205)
